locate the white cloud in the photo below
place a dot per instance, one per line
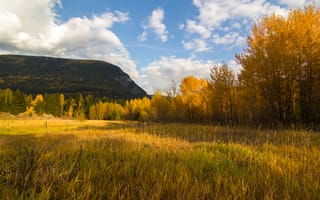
(155, 24)
(298, 3)
(158, 75)
(212, 13)
(197, 45)
(39, 11)
(193, 27)
(219, 22)
(291, 3)
(34, 29)
(229, 39)
(9, 25)
(236, 25)
(226, 23)
(143, 36)
(181, 27)
(32, 21)
(234, 66)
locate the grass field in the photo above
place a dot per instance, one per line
(67, 159)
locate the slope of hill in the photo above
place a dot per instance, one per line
(35, 75)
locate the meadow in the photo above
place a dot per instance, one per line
(70, 159)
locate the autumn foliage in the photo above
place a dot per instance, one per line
(279, 85)
(281, 69)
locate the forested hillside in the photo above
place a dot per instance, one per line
(55, 75)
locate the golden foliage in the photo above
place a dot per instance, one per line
(281, 68)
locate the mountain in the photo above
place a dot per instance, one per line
(33, 74)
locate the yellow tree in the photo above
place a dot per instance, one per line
(193, 97)
(222, 87)
(38, 104)
(160, 107)
(264, 64)
(138, 109)
(281, 68)
(304, 30)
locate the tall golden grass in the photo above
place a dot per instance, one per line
(67, 159)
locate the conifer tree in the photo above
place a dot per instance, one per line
(18, 104)
(53, 104)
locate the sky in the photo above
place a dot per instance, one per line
(156, 42)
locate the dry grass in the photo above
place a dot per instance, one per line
(66, 159)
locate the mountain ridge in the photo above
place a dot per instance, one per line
(42, 74)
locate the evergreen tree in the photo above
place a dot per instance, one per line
(18, 104)
(53, 104)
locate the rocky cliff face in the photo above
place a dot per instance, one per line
(56, 75)
(127, 82)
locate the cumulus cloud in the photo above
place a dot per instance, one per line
(25, 24)
(155, 25)
(212, 13)
(158, 75)
(219, 22)
(298, 3)
(9, 25)
(34, 28)
(193, 27)
(197, 45)
(229, 39)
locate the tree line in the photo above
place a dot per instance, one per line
(278, 85)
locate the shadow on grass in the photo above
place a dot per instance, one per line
(209, 133)
(192, 133)
(112, 125)
(36, 141)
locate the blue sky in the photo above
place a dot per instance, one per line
(154, 41)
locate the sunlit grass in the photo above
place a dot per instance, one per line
(66, 159)
(26, 126)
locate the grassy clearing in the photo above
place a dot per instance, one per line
(65, 159)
